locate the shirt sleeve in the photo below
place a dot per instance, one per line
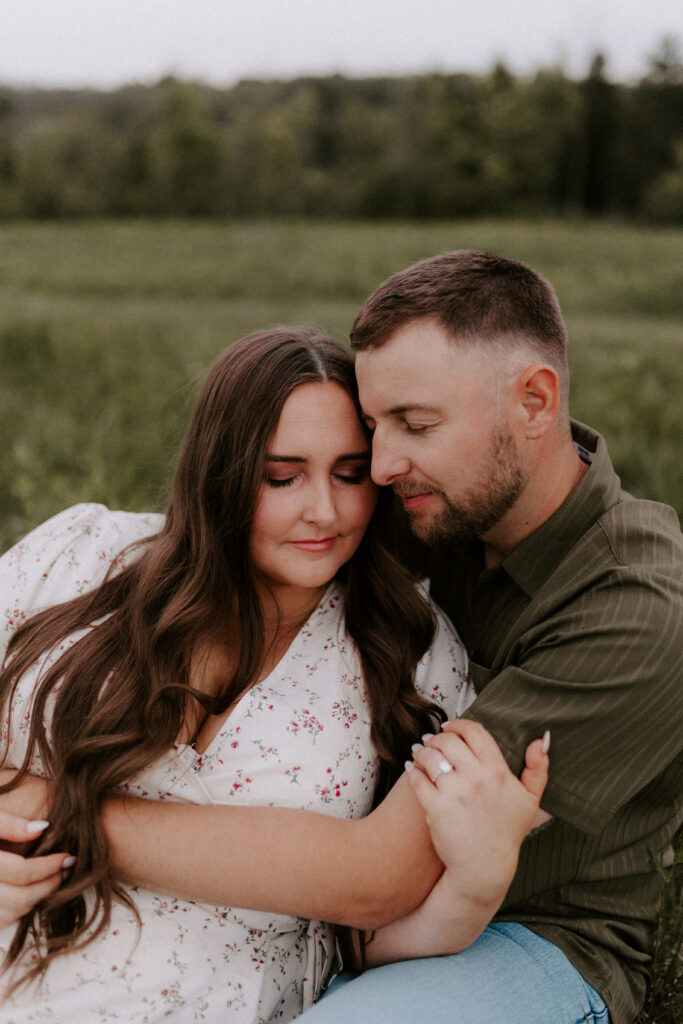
(602, 672)
(441, 674)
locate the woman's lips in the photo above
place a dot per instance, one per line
(313, 545)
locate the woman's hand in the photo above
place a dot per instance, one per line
(478, 812)
(24, 881)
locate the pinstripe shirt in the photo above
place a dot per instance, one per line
(580, 631)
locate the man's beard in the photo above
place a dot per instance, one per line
(484, 505)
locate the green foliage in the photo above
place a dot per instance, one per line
(664, 1003)
(432, 146)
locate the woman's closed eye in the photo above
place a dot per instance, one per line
(280, 481)
(357, 475)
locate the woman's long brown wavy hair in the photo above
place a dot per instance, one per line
(124, 689)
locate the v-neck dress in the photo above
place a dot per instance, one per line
(300, 738)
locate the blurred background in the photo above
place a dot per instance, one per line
(173, 176)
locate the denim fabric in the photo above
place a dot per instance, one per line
(509, 975)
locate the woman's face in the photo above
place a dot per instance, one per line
(318, 497)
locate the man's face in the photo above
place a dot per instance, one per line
(441, 434)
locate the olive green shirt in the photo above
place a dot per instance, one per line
(580, 631)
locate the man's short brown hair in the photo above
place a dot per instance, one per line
(477, 297)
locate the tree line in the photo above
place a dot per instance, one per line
(436, 145)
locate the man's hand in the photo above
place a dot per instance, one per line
(478, 812)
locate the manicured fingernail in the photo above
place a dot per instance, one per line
(34, 827)
(68, 862)
(409, 766)
(427, 736)
(545, 746)
(416, 746)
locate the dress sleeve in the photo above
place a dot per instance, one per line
(65, 557)
(442, 672)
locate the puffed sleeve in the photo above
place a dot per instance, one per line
(441, 674)
(65, 557)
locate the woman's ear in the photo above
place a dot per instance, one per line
(538, 394)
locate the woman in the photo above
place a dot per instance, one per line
(258, 645)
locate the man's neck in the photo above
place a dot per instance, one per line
(546, 491)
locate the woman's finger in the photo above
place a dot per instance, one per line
(17, 901)
(431, 761)
(425, 790)
(20, 830)
(27, 871)
(534, 777)
(477, 739)
(453, 748)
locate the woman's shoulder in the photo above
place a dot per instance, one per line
(72, 551)
(442, 672)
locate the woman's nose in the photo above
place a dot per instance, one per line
(321, 508)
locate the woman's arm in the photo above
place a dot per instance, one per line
(365, 873)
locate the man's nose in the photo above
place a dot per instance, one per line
(388, 464)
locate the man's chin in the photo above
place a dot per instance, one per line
(429, 529)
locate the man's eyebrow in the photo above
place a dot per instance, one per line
(350, 457)
(400, 410)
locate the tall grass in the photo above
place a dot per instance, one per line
(106, 327)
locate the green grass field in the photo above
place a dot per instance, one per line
(105, 329)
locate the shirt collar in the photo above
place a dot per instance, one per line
(530, 564)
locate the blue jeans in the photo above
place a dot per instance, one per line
(509, 975)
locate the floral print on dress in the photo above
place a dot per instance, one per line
(300, 738)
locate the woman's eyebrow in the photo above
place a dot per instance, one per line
(350, 457)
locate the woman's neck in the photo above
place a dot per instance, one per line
(214, 659)
(286, 609)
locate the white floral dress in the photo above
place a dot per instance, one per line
(299, 738)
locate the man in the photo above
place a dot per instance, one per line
(567, 593)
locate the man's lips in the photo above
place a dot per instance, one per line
(415, 501)
(313, 545)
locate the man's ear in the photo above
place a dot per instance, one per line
(537, 390)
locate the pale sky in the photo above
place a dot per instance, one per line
(111, 42)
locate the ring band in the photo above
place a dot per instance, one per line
(443, 768)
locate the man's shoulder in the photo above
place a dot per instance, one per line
(643, 533)
(635, 543)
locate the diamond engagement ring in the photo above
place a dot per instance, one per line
(443, 768)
